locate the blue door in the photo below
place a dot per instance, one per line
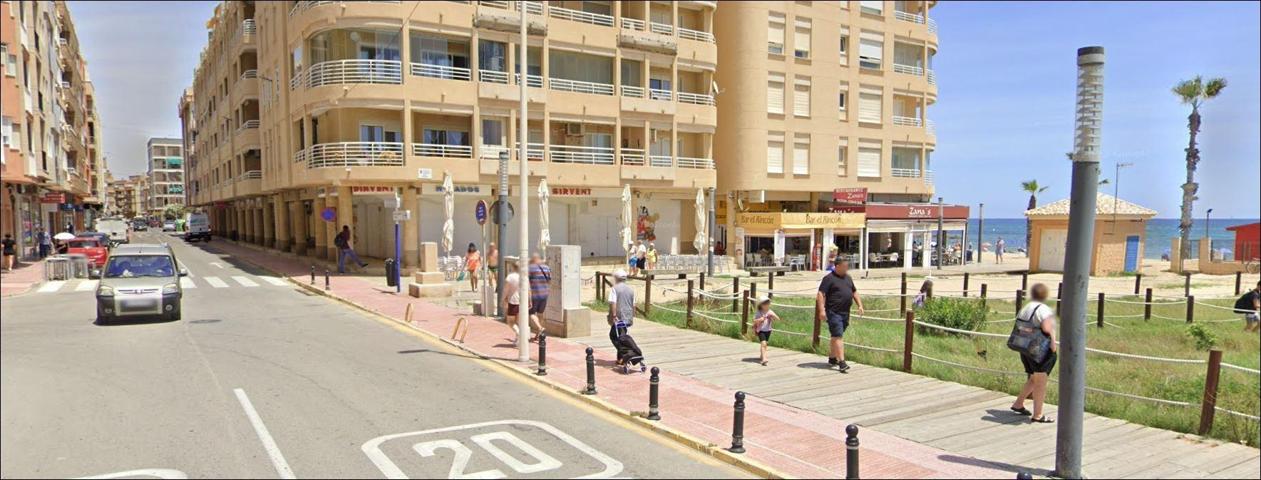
(1131, 253)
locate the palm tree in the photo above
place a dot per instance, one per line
(1034, 189)
(1193, 92)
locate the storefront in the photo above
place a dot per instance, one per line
(897, 235)
(789, 238)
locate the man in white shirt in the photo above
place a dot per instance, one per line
(511, 297)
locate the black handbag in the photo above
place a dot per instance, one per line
(1027, 337)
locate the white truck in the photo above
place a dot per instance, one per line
(196, 227)
(117, 229)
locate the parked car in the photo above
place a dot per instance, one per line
(117, 228)
(139, 225)
(140, 280)
(94, 248)
(168, 226)
(196, 227)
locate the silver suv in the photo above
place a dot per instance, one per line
(140, 280)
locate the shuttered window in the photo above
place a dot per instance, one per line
(870, 52)
(801, 97)
(869, 107)
(801, 154)
(844, 46)
(869, 160)
(775, 93)
(775, 33)
(842, 153)
(872, 7)
(801, 38)
(775, 153)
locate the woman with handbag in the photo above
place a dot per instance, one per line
(1035, 334)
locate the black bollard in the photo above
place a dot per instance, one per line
(737, 426)
(1024, 280)
(1023, 475)
(654, 383)
(590, 390)
(851, 451)
(327, 283)
(965, 284)
(1186, 284)
(542, 354)
(312, 274)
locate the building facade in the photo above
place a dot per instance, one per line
(127, 197)
(51, 171)
(166, 174)
(312, 115)
(824, 114)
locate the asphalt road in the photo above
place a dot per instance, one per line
(260, 379)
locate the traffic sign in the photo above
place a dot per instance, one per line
(494, 213)
(480, 212)
(402, 215)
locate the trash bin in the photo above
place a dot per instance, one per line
(57, 267)
(79, 266)
(391, 272)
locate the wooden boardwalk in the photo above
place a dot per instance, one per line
(969, 421)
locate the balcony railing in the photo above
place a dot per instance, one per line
(633, 24)
(661, 28)
(251, 175)
(532, 81)
(248, 27)
(660, 161)
(932, 26)
(932, 79)
(689, 34)
(580, 16)
(693, 162)
(928, 177)
(442, 150)
(905, 172)
(579, 86)
(339, 72)
(633, 92)
(930, 128)
(908, 69)
(492, 76)
(302, 6)
(249, 74)
(441, 71)
(908, 16)
(632, 157)
(906, 121)
(659, 94)
(579, 154)
(352, 154)
(249, 124)
(696, 98)
(535, 151)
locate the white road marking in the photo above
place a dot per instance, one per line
(215, 282)
(145, 472)
(245, 281)
(275, 281)
(217, 264)
(52, 286)
(269, 444)
(85, 285)
(187, 283)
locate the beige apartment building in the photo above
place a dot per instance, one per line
(127, 197)
(825, 133)
(52, 174)
(310, 115)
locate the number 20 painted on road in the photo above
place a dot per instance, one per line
(542, 461)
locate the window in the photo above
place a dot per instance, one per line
(10, 61)
(775, 33)
(492, 132)
(841, 98)
(842, 152)
(434, 136)
(872, 7)
(870, 51)
(775, 152)
(801, 38)
(801, 154)
(869, 106)
(801, 97)
(844, 46)
(775, 93)
(869, 159)
(492, 56)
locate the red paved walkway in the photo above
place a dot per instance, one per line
(794, 442)
(22, 278)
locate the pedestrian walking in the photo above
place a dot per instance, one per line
(837, 293)
(492, 264)
(511, 297)
(9, 250)
(345, 250)
(651, 256)
(763, 323)
(621, 317)
(925, 291)
(540, 289)
(998, 249)
(472, 265)
(45, 243)
(1249, 304)
(1036, 323)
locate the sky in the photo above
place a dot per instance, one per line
(1006, 76)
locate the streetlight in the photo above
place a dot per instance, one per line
(1210, 242)
(1116, 191)
(941, 232)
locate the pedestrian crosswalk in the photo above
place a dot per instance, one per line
(188, 283)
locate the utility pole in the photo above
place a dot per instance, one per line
(709, 233)
(523, 157)
(941, 232)
(1077, 259)
(501, 221)
(980, 231)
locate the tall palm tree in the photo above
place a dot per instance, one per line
(1193, 92)
(1034, 189)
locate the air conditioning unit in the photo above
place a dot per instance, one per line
(575, 129)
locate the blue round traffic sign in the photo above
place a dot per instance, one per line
(480, 212)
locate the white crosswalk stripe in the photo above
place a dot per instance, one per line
(52, 286)
(245, 281)
(187, 283)
(275, 281)
(86, 285)
(215, 282)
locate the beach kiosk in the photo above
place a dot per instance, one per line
(1120, 233)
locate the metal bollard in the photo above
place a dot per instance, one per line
(542, 354)
(1186, 284)
(312, 274)
(851, 451)
(327, 284)
(965, 283)
(590, 390)
(654, 384)
(737, 426)
(1023, 475)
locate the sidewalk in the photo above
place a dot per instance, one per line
(23, 277)
(781, 440)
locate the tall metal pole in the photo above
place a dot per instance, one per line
(941, 232)
(1077, 259)
(398, 245)
(1207, 215)
(709, 234)
(1116, 192)
(980, 231)
(501, 219)
(523, 270)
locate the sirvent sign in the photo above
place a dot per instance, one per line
(800, 220)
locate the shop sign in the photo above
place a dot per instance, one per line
(53, 198)
(850, 195)
(586, 192)
(923, 211)
(458, 189)
(800, 220)
(371, 190)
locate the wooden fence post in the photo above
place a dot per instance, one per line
(984, 293)
(689, 302)
(1147, 305)
(965, 283)
(818, 326)
(908, 345)
(770, 284)
(648, 294)
(1099, 315)
(1190, 308)
(902, 300)
(1208, 407)
(735, 289)
(1186, 284)
(744, 318)
(1024, 280)
(1238, 278)
(1138, 283)
(1020, 300)
(702, 280)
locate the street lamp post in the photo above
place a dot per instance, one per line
(980, 232)
(1208, 213)
(523, 136)
(941, 232)
(1116, 192)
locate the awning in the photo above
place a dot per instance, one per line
(771, 221)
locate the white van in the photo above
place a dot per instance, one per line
(116, 228)
(196, 227)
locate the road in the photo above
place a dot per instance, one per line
(260, 379)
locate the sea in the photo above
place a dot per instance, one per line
(1160, 233)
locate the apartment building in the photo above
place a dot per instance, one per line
(310, 115)
(127, 197)
(825, 133)
(51, 171)
(166, 174)
(188, 136)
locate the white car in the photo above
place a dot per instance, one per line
(168, 226)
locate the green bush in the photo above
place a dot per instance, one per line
(960, 313)
(1204, 339)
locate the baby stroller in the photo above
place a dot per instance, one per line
(628, 353)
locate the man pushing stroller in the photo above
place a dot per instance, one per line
(621, 317)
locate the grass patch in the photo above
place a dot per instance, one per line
(1125, 330)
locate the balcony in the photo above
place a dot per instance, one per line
(906, 121)
(696, 98)
(632, 157)
(659, 94)
(341, 72)
(689, 34)
(580, 16)
(251, 175)
(632, 92)
(930, 128)
(302, 6)
(908, 69)
(905, 172)
(245, 36)
(534, 151)
(932, 79)
(248, 124)
(928, 177)
(660, 161)
(697, 163)
(633, 24)
(580, 154)
(661, 28)
(578, 86)
(351, 154)
(442, 150)
(444, 72)
(248, 74)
